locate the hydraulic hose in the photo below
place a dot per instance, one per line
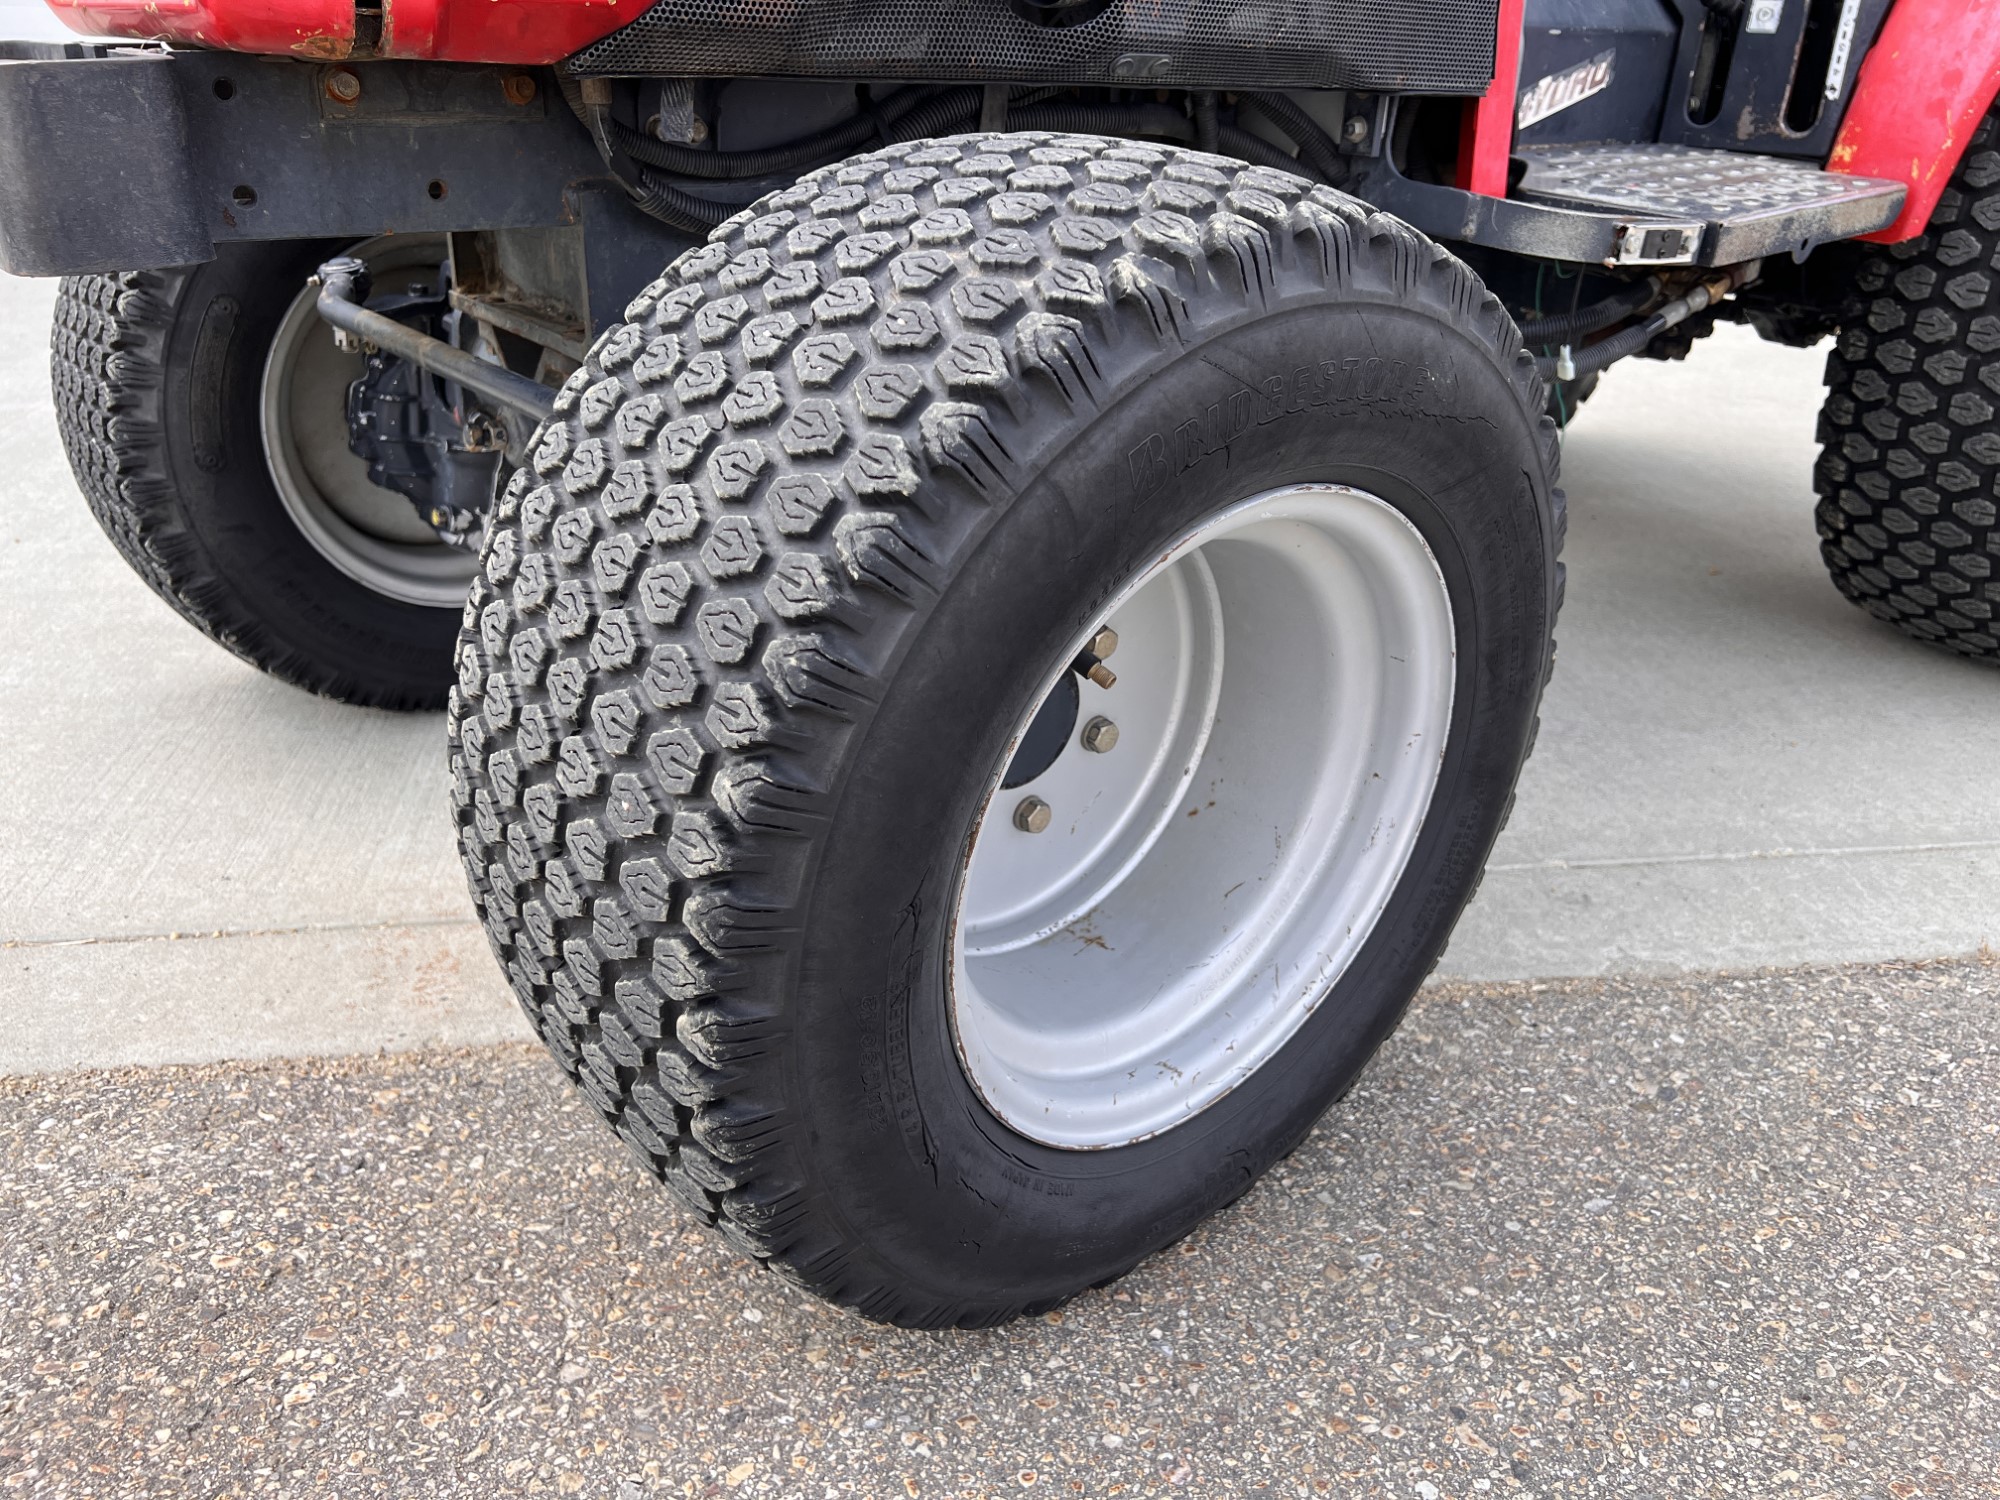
(1567, 327)
(1234, 140)
(939, 114)
(1568, 365)
(1155, 120)
(1105, 119)
(653, 194)
(660, 199)
(1207, 129)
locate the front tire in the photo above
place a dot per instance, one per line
(222, 475)
(810, 543)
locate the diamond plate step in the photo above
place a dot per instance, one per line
(1710, 208)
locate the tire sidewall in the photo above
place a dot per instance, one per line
(1423, 420)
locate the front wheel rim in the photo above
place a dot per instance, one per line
(1285, 674)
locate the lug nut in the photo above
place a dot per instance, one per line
(1032, 814)
(343, 86)
(1104, 642)
(1100, 734)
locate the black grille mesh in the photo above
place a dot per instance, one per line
(1413, 46)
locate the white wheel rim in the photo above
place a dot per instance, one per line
(1283, 697)
(373, 535)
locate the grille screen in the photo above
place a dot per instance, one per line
(1412, 46)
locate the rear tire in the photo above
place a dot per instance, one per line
(159, 382)
(806, 546)
(1910, 458)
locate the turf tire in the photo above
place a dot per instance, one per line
(157, 378)
(1910, 459)
(795, 556)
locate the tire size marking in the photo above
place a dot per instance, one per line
(1398, 385)
(1048, 1187)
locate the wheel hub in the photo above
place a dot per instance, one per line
(1148, 916)
(371, 533)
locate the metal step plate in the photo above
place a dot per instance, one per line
(1713, 208)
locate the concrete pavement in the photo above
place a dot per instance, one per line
(1736, 767)
(198, 861)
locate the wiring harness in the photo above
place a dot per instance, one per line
(667, 180)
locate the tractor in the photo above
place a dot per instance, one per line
(989, 564)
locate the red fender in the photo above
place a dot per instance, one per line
(1919, 95)
(490, 31)
(501, 31)
(303, 28)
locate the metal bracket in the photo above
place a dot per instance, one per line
(567, 339)
(1653, 244)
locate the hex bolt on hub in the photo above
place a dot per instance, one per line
(1100, 734)
(1090, 660)
(1032, 814)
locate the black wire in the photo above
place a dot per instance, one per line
(1567, 328)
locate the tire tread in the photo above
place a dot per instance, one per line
(1909, 455)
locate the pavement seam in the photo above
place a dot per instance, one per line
(1641, 861)
(1613, 862)
(310, 928)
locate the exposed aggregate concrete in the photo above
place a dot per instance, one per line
(1723, 1236)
